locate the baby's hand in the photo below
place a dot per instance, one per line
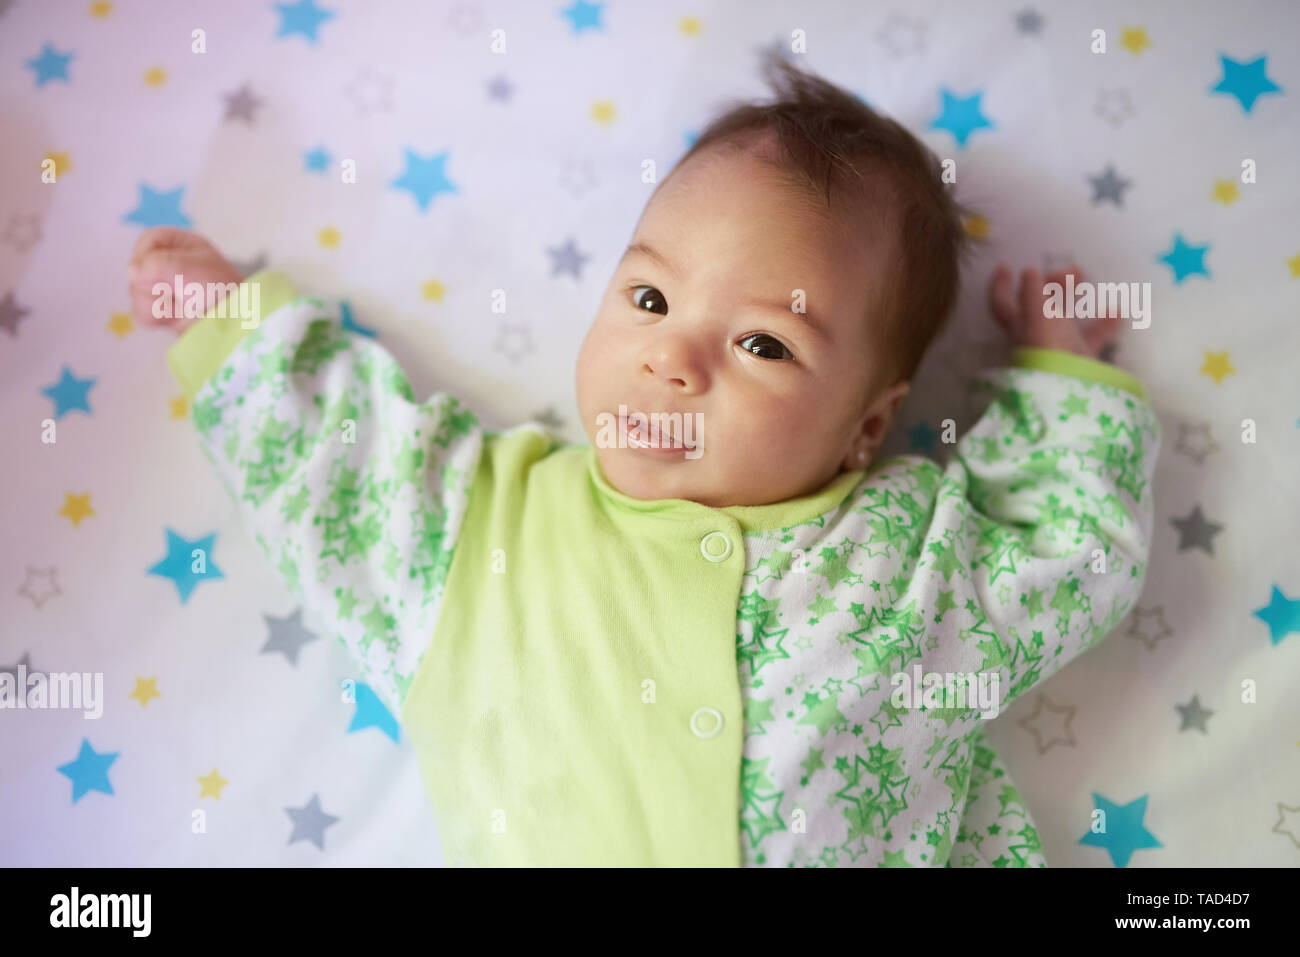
(1021, 314)
(162, 253)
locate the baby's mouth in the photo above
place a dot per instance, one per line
(645, 436)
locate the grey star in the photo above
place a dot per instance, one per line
(1193, 715)
(246, 267)
(548, 418)
(1107, 353)
(566, 258)
(309, 822)
(1158, 628)
(1109, 185)
(1195, 530)
(1114, 106)
(514, 340)
(902, 35)
(23, 231)
(287, 635)
(25, 662)
(10, 314)
(577, 177)
(1195, 441)
(40, 585)
(499, 88)
(1291, 830)
(370, 92)
(1028, 21)
(241, 104)
(1059, 734)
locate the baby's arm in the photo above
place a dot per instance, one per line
(353, 489)
(1052, 490)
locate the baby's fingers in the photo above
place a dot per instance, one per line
(1099, 332)
(159, 237)
(1031, 293)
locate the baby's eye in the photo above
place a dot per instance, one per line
(766, 347)
(652, 302)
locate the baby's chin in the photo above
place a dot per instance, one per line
(649, 478)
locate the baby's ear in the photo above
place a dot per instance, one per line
(903, 388)
(893, 397)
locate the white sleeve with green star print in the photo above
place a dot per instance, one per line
(1020, 554)
(355, 491)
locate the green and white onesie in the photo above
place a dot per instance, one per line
(592, 679)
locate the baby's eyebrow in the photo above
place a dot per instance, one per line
(809, 320)
(647, 250)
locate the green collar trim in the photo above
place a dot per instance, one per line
(751, 518)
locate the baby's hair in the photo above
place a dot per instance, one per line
(829, 139)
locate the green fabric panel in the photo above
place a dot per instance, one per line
(578, 638)
(1081, 367)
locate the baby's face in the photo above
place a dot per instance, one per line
(698, 320)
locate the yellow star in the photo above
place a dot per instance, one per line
(434, 290)
(1294, 263)
(77, 507)
(180, 407)
(61, 163)
(146, 689)
(976, 226)
(690, 26)
(1134, 39)
(155, 76)
(1226, 192)
(328, 237)
(119, 324)
(1217, 366)
(212, 785)
(101, 9)
(602, 111)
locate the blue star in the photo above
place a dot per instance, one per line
(921, 436)
(301, 17)
(89, 772)
(1281, 614)
(1124, 832)
(371, 713)
(690, 137)
(1245, 81)
(50, 65)
(158, 209)
(582, 14)
(69, 393)
(181, 559)
(352, 324)
(960, 117)
(1185, 260)
(424, 178)
(317, 160)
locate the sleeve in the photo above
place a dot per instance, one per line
(354, 491)
(1049, 504)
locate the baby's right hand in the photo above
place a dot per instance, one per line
(162, 253)
(1023, 317)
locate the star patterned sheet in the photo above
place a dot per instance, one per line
(501, 146)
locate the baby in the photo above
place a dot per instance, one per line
(721, 634)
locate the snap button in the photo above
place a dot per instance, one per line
(726, 547)
(717, 722)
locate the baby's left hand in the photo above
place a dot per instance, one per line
(1020, 314)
